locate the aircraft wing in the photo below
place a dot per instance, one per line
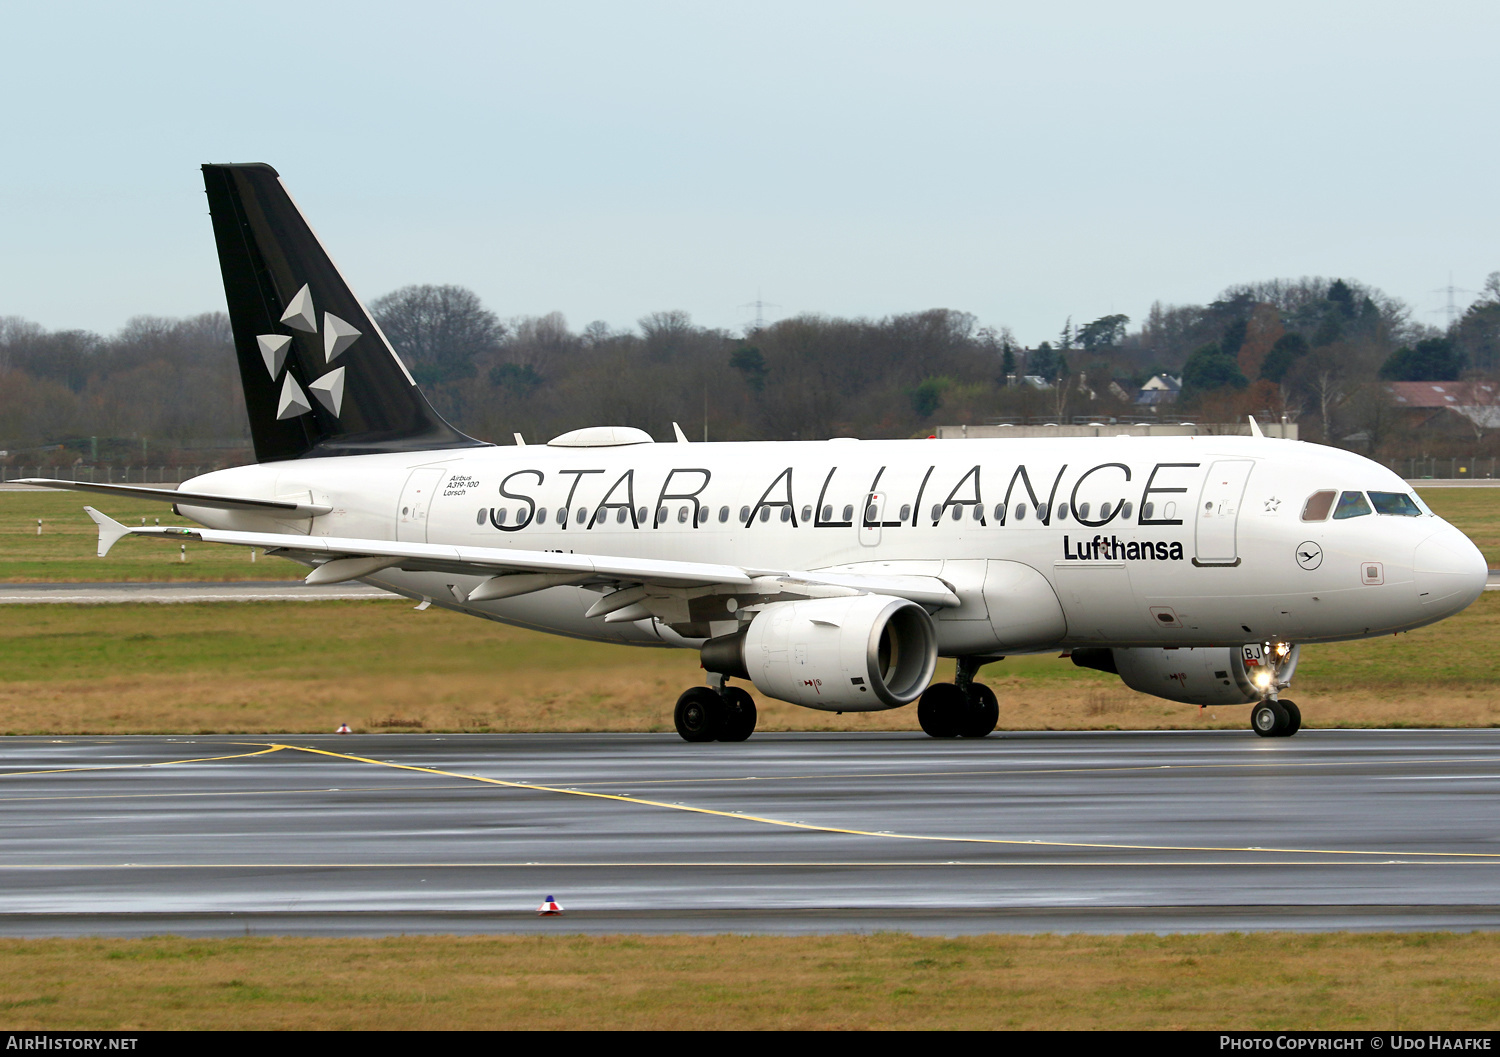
(283, 507)
(513, 571)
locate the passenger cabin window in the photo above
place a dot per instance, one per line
(1317, 506)
(1351, 504)
(1398, 504)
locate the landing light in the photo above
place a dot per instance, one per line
(1262, 679)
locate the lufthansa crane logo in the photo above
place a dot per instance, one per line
(328, 390)
(1309, 555)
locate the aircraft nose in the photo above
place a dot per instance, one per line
(1450, 571)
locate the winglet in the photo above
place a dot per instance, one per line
(681, 437)
(1254, 427)
(110, 530)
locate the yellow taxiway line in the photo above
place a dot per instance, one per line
(810, 827)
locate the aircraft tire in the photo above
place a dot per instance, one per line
(983, 712)
(941, 710)
(1294, 717)
(1269, 719)
(739, 709)
(700, 714)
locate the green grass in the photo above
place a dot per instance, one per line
(1259, 981)
(66, 549)
(379, 664)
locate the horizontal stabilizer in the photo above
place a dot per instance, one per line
(280, 508)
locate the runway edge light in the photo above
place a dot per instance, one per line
(549, 908)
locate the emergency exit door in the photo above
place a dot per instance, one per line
(870, 519)
(1215, 541)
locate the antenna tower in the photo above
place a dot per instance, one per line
(760, 307)
(1452, 307)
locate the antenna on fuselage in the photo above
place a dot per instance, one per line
(520, 440)
(1254, 427)
(681, 436)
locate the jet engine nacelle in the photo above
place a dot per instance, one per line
(1212, 675)
(863, 653)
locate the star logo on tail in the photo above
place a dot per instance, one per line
(338, 335)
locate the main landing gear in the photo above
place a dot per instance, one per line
(962, 708)
(1276, 719)
(704, 713)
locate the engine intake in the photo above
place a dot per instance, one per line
(863, 653)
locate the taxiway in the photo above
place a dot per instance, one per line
(1032, 831)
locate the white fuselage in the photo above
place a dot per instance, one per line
(1163, 541)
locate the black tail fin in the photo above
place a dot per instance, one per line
(319, 376)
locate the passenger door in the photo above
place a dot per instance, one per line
(1215, 540)
(416, 502)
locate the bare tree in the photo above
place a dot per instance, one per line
(438, 330)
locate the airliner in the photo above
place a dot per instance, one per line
(831, 574)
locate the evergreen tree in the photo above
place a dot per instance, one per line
(1433, 360)
(1211, 368)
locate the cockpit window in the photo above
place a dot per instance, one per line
(1351, 504)
(1317, 506)
(1397, 503)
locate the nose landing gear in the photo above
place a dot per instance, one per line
(1276, 719)
(1270, 666)
(704, 713)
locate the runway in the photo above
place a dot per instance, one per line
(1035, 831)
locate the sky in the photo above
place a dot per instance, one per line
(1026, 163)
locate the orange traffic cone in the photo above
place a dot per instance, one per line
(549, 908)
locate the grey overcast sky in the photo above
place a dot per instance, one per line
(1024, 162)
